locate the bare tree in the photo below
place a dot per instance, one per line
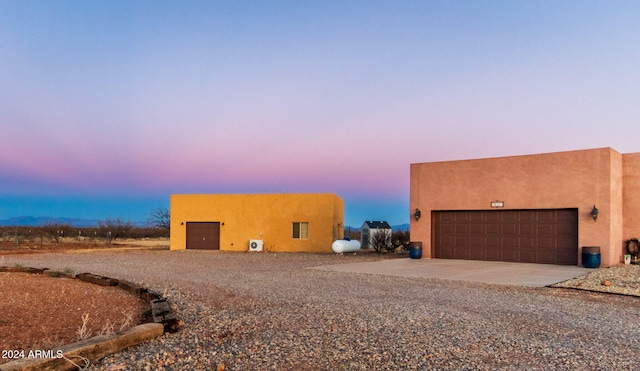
(382, 241)
(385, 240)
(56, 231)
(160, 218)
(115, 228)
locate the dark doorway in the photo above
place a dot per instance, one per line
(203, 235)
(547, 236)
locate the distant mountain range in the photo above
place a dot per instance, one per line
(395, 228)
(401, 227)
(29, 221)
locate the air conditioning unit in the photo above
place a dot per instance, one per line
(255, 245)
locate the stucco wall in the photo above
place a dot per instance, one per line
(574, 179)
(614, 254)
(631, 195)
(268, 217)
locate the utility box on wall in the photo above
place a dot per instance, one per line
(256, 245)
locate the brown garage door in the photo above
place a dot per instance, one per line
(203, 235)
(525, 236)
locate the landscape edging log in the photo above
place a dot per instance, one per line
(162, 313)
(91, 349)
(23, 270)
(131, 287)
(98, 280)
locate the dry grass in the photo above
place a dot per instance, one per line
(82, 244)
(41, 312)
(83, 331)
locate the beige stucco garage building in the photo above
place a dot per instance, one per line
(256, 222)
(532, 208)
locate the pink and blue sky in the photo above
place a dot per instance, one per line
(108, 107)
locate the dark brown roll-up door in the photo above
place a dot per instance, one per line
(525, 236)
(203, 235)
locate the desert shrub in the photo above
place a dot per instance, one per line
(401, 239)
(381, 241)
(57, 231)
(149, 232)
(114, 228)
(12, 236)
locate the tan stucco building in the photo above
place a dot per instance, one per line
(531, 208)
(256, 222)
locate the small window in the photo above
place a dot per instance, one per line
(301, 230)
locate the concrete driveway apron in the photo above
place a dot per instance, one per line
(499, 273)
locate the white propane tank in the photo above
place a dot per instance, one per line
(342, 246)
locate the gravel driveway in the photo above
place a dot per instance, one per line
(255, 311)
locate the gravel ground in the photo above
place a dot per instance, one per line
(620, 279)
(245, 311)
